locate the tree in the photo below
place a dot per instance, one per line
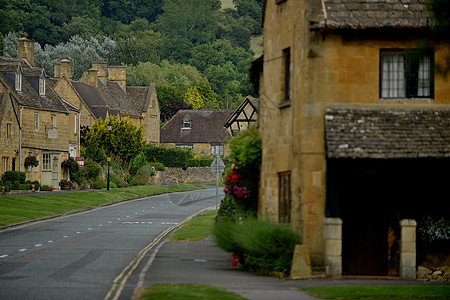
(169, 109)
(440, 10)
(125, 140)
(193, 98)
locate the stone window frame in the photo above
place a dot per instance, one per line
(75, 127)
(36, 122)
(18, 83)
(286, 75)
(53, 122)
(8, 130)
(42, 85)
(284, 197)
(46, 161)
(411, 58)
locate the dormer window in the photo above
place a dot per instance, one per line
(19, 80)
(42, 85)
(186, 124)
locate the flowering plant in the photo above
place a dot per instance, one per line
(65, 182)
(235, 185)
(68, 163)
(32, 161)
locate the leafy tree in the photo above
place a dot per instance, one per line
(169, 109)
(193, 98)
(84, 27)
(125, 140)
(126, 11)
(132, 51)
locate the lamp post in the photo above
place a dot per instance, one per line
(109, 157)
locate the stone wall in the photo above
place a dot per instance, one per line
(190, 175)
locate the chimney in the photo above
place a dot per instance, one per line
(65, 69)
(118, 74)
(57, 70)
(102, 69)
(26, 50)
(92, 79)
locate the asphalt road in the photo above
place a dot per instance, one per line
(97, 254)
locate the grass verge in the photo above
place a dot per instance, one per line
(197, 229)
(381, 292)
(188, 291)
(16, 209)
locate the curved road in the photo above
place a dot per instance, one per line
(97, 254)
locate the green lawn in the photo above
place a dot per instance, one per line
(187, 292)
(197, 229)
(16, 209)
(381, 292)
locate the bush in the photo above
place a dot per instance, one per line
(1, 182)
(158, 166)
(46, 188)
(262, 247)
(137, 162)
(169, 157)
(227, 210)
(36, 185)
(8, 186)
(199, 162)
(14, 176)
(16, 185)
(98, 183)
(92, 169)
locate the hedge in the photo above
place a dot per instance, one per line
(169, 157)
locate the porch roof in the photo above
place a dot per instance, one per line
(387, 132)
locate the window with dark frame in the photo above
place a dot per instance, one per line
(407, 73)
(284, 209)
(287, 73)
(217, 149)
(186, 124)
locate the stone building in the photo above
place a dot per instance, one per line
(102, 91)
(354, 121)
(36, 121)
(201, 130)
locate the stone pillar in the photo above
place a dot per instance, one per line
(25, 50)
(408, 249)
(332, 235)
(301, 263)
(65, 69)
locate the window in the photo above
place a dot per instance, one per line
(53, 122)
(407, 74)
(36, 122)
(19, 80)
(190, 146)
(186, 124)
(75, 126)
(284, 209)
(46, 161)
(217, 149)
(42, 85)
(287, 73)
(8, 130)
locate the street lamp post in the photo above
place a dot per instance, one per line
(109, 156)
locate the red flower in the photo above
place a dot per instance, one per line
(233, 263)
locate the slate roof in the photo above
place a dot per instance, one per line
(93, 100)
(372, 14)
(116, 97)
(207, 126)
(29, 96)
(140, 96)
(394, 132)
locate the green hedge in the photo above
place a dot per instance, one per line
(169, 157)
(14, 176)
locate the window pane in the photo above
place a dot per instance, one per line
(393, 75)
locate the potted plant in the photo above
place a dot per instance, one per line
(31, 161)
(65, 184)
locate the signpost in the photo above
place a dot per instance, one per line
(217, 167)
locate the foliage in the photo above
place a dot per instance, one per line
(262, 247)
(31, 160)
(241, 183)
(137, 162)
(131, 51)
(13, 176)
(46, 188)
(158, 166)
(169, 109)
(70, 164)
(8, 186)
(92, 169)
(84, 130)
(193, 98)
(65, 182)
(16, 185)
(169, 157)
(433, 229)
(125, 140)
(440, 10)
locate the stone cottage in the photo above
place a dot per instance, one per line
(354, 121)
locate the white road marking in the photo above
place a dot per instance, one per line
(66, 236)
(22, 250)
(3, 256)
(38, 245)
(50, 241)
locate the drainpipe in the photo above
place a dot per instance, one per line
(79, 133)
(20, 139)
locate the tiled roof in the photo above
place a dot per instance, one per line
(116, 97)
(93, 100)
(207, 126)
(394, 132)
(29, 96)
(140, 96)
(371, 14)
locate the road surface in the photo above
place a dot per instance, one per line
(97, 254)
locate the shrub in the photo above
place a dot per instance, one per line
(36, 185)
(16, 185)
(14, 176)
(70, 164)
(196, 162)
(137, 162)
(1, 182)
(169, 157)
(227, 210)
(8, 186)
(158, 166)
(92, 169)
(98, 183)
(46, 188)
(261, 246)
